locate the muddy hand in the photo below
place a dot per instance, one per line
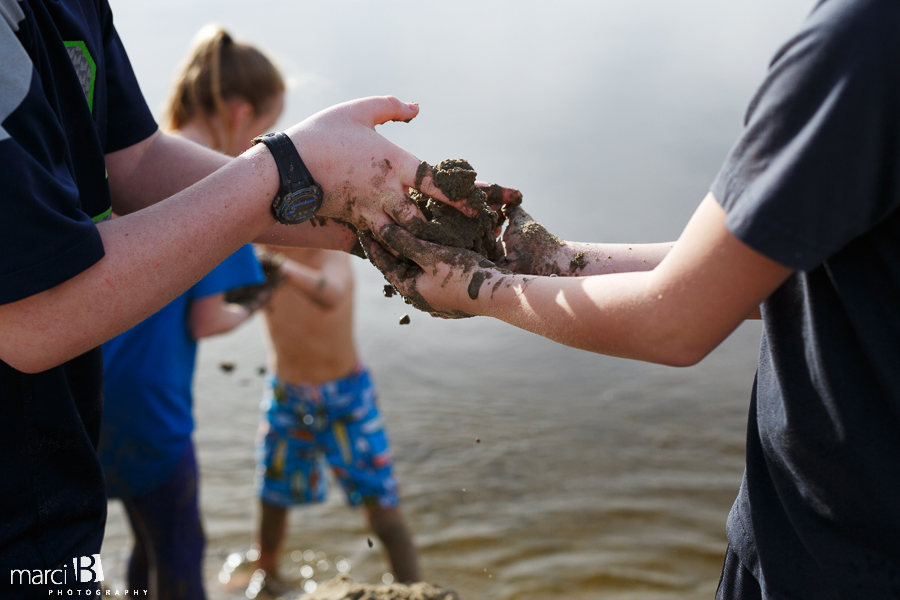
(402, 274)
(254, 297)
(497, 195)
(529, 249)
(442, 280)
(364, 176)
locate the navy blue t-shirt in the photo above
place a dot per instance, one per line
(814, 183)
(67, 97)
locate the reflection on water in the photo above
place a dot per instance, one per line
(593, 477)
(302, 573)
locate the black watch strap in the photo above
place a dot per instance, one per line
(299, 196)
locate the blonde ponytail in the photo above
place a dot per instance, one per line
(216, 70)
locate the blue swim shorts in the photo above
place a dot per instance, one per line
(304, 426)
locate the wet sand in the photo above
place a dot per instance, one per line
(344, 588)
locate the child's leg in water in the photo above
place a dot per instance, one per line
(390, 527)
(169, 539)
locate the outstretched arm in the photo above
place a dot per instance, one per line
(154, 254)
(163, 165)
(674, 314)
(532, 250)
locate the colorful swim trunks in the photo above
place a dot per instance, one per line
(338, 422)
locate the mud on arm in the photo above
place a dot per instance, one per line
(530, 249)
(675, 314)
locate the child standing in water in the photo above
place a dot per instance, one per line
(226, 94)
(322, 405)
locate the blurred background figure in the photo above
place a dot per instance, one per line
(321, 406)
(225, 94)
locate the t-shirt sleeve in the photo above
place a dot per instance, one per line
(238, 270)
(129, 117)
(819, 150)
(45, 237)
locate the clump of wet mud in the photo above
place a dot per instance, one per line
(579, 262)
(344, 588)
(446, 225)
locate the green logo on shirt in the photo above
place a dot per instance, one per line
(85, 67)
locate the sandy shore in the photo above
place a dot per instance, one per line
(344, 588)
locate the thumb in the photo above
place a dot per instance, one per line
(516, 215)
(381, 109)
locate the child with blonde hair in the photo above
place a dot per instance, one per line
(226, 93)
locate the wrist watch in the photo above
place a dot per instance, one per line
(300, 197)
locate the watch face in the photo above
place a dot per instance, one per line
(300, 206)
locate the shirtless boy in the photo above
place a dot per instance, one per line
(322, 404)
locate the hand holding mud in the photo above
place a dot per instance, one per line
(365, 178)
(443, 263)
(254, 297)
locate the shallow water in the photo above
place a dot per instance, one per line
(594, 477)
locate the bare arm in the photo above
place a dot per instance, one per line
(532, 250)
(326, 286)
(151, 256)
(675, 314)
(154, 254)
(163, 165)
(156, 168)
(211, 315)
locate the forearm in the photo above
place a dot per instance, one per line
(157, 168)
(327, 235)
(164, 165)
(212, 315)
(530, 249)
(151, 256)
(580, 258)
(675, 314)
(625, 314)
(315, 284)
